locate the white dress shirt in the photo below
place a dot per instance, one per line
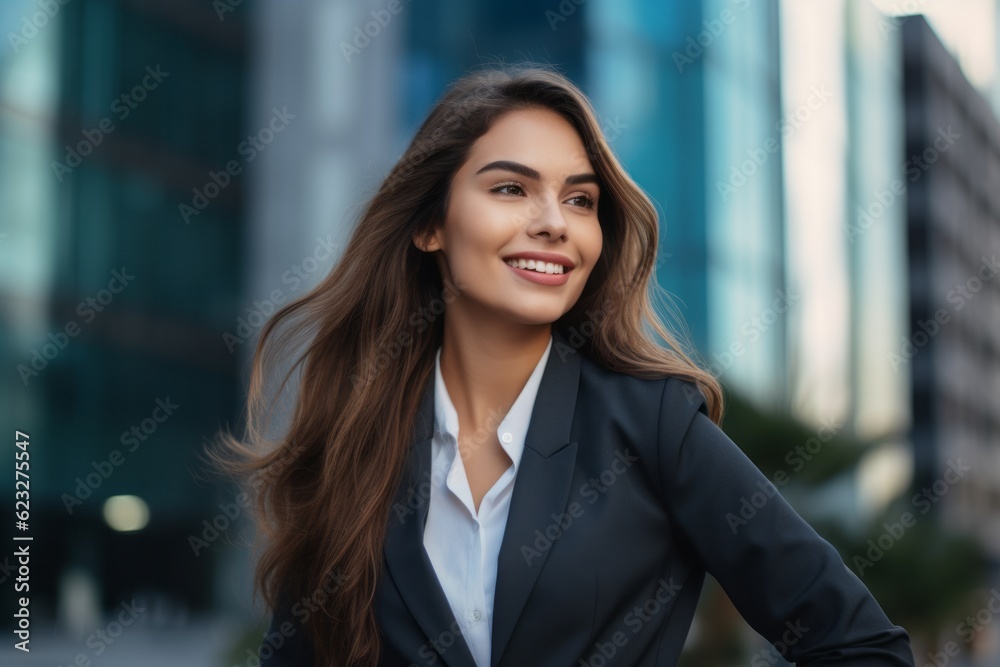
(463, 547)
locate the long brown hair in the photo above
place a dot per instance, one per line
(361, 344)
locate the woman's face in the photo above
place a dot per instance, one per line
(527, 191)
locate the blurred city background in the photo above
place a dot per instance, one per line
(828, 179)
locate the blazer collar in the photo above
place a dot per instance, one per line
(541, 489)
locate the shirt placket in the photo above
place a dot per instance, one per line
(474, 619)
(476, 599)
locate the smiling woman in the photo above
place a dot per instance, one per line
(535, 479)
(527, 192)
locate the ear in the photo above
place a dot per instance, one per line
(427, 241)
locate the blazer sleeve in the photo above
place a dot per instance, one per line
(789, 583)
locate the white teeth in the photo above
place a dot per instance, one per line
(540, 267)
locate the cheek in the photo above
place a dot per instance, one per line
(478, 227)
(595, 243)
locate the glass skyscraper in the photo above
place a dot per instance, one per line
(115, 116)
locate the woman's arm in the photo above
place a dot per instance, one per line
(789, 583)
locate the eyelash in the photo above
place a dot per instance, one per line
(590, 201)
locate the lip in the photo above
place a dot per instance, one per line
(541, 278)
(544, 257)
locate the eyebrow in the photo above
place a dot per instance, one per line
(528, 172)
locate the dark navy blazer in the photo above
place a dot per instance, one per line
(618, 510)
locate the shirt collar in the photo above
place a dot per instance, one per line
(514, 424)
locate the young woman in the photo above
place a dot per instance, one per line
(491, 460)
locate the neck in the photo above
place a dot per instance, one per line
(485, 371)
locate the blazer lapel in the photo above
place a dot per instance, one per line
(542, 488)
(404, 550)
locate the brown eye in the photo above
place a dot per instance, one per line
(505, 186)
(588, 201)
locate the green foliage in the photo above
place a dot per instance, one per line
(921, 575)
(772, 441)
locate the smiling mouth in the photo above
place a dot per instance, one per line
(549, 268)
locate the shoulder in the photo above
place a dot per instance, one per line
(660, 410)
(662, 420)
(673, 397)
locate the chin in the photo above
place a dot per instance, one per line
(537, 317)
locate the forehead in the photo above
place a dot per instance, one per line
(539, 138)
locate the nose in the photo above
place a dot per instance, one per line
(547, 218)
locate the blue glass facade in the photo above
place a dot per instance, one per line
(635, 81)
(115, 359)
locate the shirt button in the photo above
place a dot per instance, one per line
(476, 615)
(507, 438)
(475, 529)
